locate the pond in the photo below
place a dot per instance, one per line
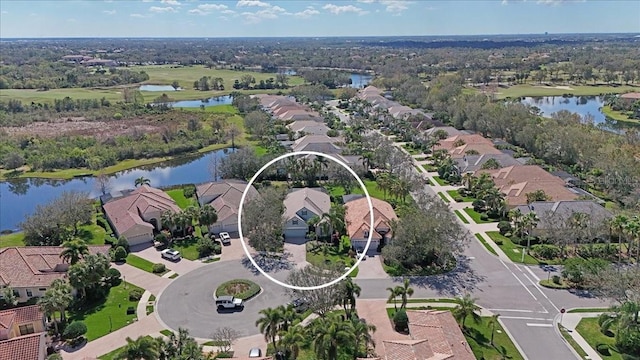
(359, 81)
(158, 88)
(214, 101)
(19, 197)
(583, 105)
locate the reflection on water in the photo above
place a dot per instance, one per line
(19, 197)
(158, 88)
(214, 101)
(583, 105)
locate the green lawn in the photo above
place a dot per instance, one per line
(113, 355)
(618, 115)
(178, 196)
(323, 253)
(411, 150)
(476, 216)
(187, 248)
(572, 342)
(588, 310)
(166, 332)
(537, 90)
(454, 194)
(419, 169)
(461, 217)
(429, 168)
(92, 234)
(513, 251)
(142, 264)
(589, 329)
(486, 245)
(444, 197)
(14, 239)
(371, 186)
(107, 316)
(260, 150)
(440, 181)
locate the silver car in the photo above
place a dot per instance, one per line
(255, 353)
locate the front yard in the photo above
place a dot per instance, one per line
(109, 314)
(143, 264)
(513, 251)
(319, 254)
(477, 217)
(456, 196)
(589, 329)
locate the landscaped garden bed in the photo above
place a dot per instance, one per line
(322, 254)
(604, 344)
(480, 218)
(455, 194)
(239, 288)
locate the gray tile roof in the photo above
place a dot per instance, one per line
(473, 163)
(550, 212)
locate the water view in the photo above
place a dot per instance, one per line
(214, 101)
(19, 197)
(158, 88)
(583, 105)
(359, 81)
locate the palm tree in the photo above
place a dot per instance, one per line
(529, 222)
(493, 198)
(288, 316)
(269, 324)
(168, 219)
(142, 181)
(633, 232)
(350, 292)
(330, 334)
(47, 305)
(363, 333)
(493, 321)
(291, 340)
(468, 179)
(401, 188)
(62, 294)
(618, 224)
(516, 218)
(207, 215)
(74, 250)
(142, 348)
(466, 307)
(335, 217)
(383, 183)
(405, 292)
(393, 294)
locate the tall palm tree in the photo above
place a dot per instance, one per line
(291, 340)
(350, 291)
(62, 294)
(168, 219)
(405, 292)
(47, 305)
(288, 316)
(466, 307)
(516, 218)
(269, 324)
(493, 198)
(142, 181)
(330, 334)
(618, 224)
(383, 183)
(363, 333)
(142, 348)
(468, 179)
(207, 215)
(74, 250)
(633, 233)
(493, 321)
(393, 295)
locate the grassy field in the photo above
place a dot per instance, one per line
(537, 90)
(110, 315)
(486, 244)
(9, 240)
(572, 342)
(444, 197)
(334, 255)
(178, 196)
(513, 251)
(187, 248)
(371, 186)
(589, 329)
(618, 115)
(454, 194)
(92, 234)
(440, 181)
(461, 217)
(476, 216)
(142, 264)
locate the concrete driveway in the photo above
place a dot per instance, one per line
(188, 301)
(371, 268)
(150, 253)
(151, 282)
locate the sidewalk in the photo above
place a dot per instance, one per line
(570, 322)
(410, 305)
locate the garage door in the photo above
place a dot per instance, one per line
(363, 243)
(295, 233)
(230, 227)
(139, 239)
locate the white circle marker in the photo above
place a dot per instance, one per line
(366, 193)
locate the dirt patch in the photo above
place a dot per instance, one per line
(559, 87)
(236, 288)
(79, 126)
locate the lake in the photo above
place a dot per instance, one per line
(19, 197)
(582, 105)
(359, 81)
(214, 101)
(157, 88)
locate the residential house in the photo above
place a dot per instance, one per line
(224, 196)
(554, 216)
(138, 214)
(460, 145)
(30, 270)
(631, 97)
(358, 222)
(450, 130)
(299, 114)
(517, 181)
(308, 127)
(473, 163)
(319, 143)
(301, 205)
(22, 334)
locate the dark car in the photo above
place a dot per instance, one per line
(299, 304)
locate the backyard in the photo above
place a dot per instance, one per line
(109, 314)
(183, 202)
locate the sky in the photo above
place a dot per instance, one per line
(263, 18)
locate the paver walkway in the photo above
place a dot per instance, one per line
(570, 321)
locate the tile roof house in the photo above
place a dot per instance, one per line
(450, 130)
(459, 145)
(473, 163)
(309, 127)
(517, 181)
(554, 216)
(357, 219)
(30, 270)
(301, 205)
(319, 143)
(22, 333)
(224, 196)
(298, 114)
(137, 214)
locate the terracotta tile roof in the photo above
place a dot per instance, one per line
(226, 196)
(321, 143)
(450, 142)
(313, 199)
(28, 347)
(125, 212)
(633, 95)
(482, 149)
(35, 265)
(517, 181)
(442, 333)
(309, 127)
(357, 217)
(409, 350)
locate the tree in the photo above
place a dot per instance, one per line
(363, 335)
(175, 84)
(240, 164)
(225, 337)
(538, 195)
(258, 123)
(291, 340)
(9, 296)
(269, 324)
(330, 334)
(142, 348)
(74, 330)
(493, 322)
(13, 161)
(181, 346)
(142, 181)
(350, 291)
(207, 215)
(404, 291)
(466, 307)
(393, 295)
(89, 274)
(321, 301)
(74, 250)
(262, 221)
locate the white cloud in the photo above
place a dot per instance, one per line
(335, 9)
(139, 16)
(252, 3)
(171, 2)
(307, 13)
(205, 9)
(158, 9)
(147, 0)
(228, 12)
(109, 12)
(366, 1)
(395, 6)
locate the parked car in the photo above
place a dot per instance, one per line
(255, 353)
(225, 238)
(228, 302)
(170, 254)
(299, 304)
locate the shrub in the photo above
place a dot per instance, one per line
(120, 254)
(113, 276)
(628, 340)
(135, 295)
(458, 199)
(162, 238)
(54, 356)
(117, 116)
(547, 252)
(478, 205)
(122, 241)
(484, 217)
(498, 242)
(400, 320)
(74, 330)
(504, 227)
(205, 247)
(189, 191)
(556, 279)
(217, 249)
(159, 268)
(603, 349)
